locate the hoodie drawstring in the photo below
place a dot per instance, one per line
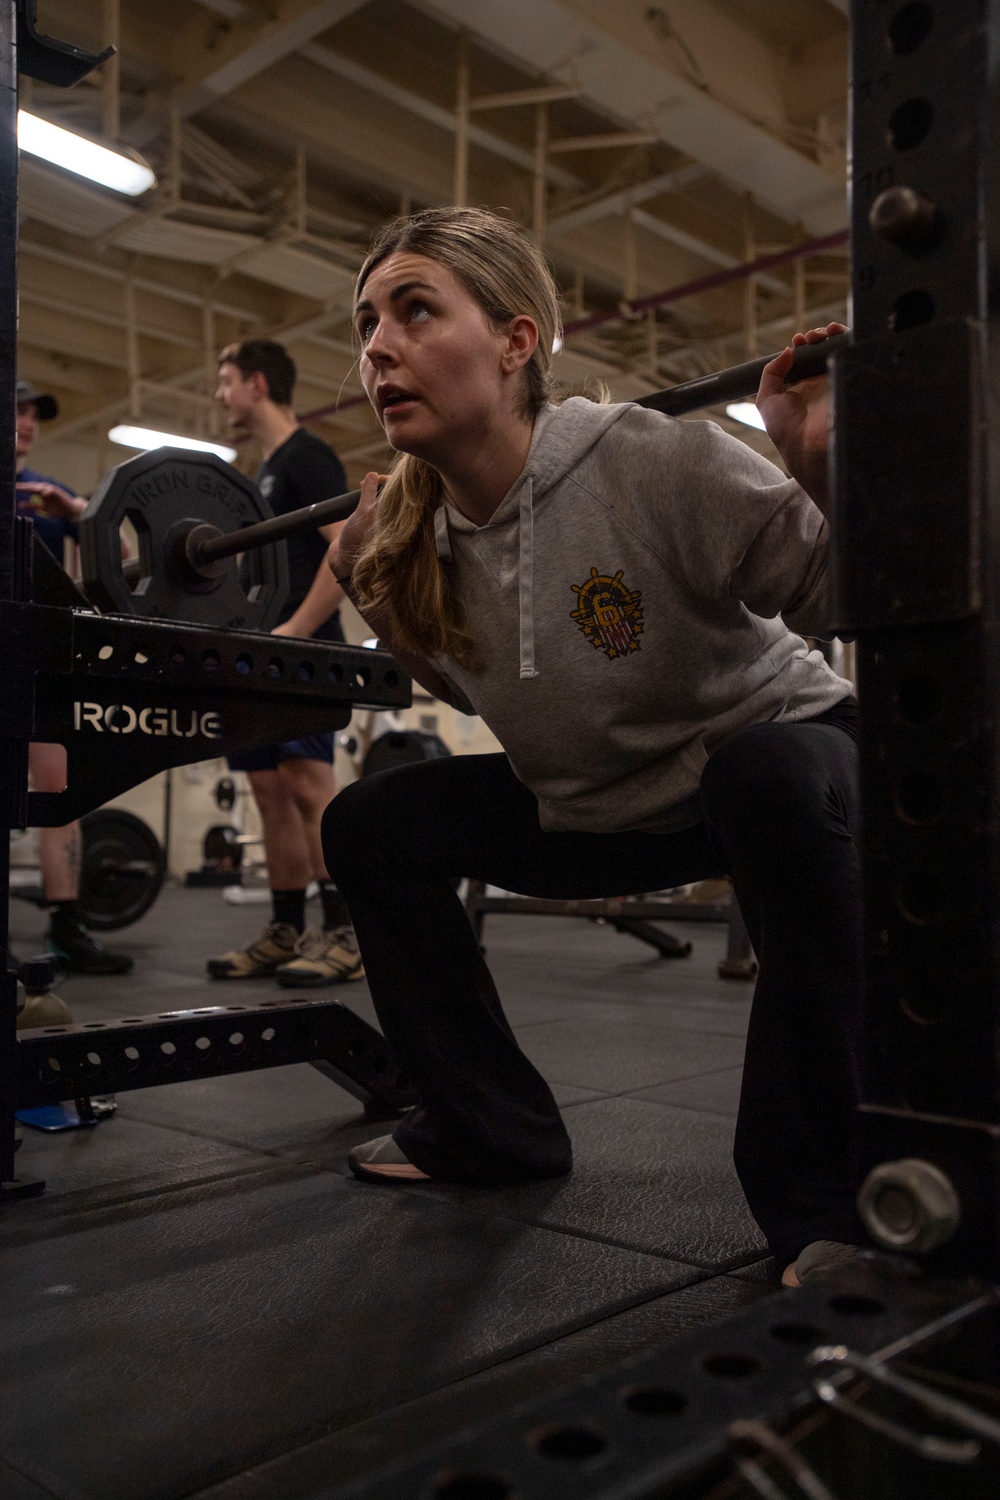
(525, 567)
(525, 592)
(442, 538)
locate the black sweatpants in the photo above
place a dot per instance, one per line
(779, 816)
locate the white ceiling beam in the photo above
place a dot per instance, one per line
(343, 67)
(626, 198)
(696, 246)
(141, 283)
(619, 80)
(278, 40)
(233, 10)
(69, 309)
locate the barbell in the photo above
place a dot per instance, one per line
(194, 515)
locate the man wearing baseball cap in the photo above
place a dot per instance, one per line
(54, 510)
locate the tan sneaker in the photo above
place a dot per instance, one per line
(275, 946)
(43, 1010)
(327, 957)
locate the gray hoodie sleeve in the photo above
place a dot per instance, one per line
(786, 568)
(729, 522)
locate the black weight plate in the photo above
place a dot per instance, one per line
(221, 847)
(155, 492)
(122, 869)
(402, 748)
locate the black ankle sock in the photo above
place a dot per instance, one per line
(335, 913)
(62, 913)
(290, 906)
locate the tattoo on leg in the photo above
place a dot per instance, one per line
(73, 849)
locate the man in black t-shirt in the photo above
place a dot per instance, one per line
(292, 781)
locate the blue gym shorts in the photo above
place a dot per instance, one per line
(269, 757)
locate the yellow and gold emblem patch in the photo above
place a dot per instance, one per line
(608, 613)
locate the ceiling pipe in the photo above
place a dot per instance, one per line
(634, 309)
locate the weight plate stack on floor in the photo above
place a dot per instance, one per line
(402, 748)
(123, 869)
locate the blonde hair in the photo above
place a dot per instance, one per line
(398, 574)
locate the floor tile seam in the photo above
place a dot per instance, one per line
(83, 1220)
(435, 1390)
(648, 1019)
(689, 1109)
(43, 1489)
(758, 1260)
(569, 1232)
(597, 1239)
(635, 1094)
(710, 1073)
(266, 1153)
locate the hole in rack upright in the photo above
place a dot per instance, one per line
(568, 1443)
(801, 1335)
(731, 1366)
(920, 797)
(919, 699)
(912, 310)
(910, 27)
(471, 1487)
(654, 1401)
(910, 124)
(856, 1305)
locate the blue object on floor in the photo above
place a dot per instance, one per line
(68, 1116)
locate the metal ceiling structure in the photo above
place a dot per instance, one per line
(647, 146)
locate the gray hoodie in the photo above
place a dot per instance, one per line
(626, 600)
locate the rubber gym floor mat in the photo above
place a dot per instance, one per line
(646, 1176)
(719, 1093)
(620, 1055)
(293, 1110)
(194, 1340)
(114, 1161)
(319, 1469)
(14, 1486)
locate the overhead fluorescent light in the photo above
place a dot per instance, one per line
(747, 413)
(145, 438)
(64, 148)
